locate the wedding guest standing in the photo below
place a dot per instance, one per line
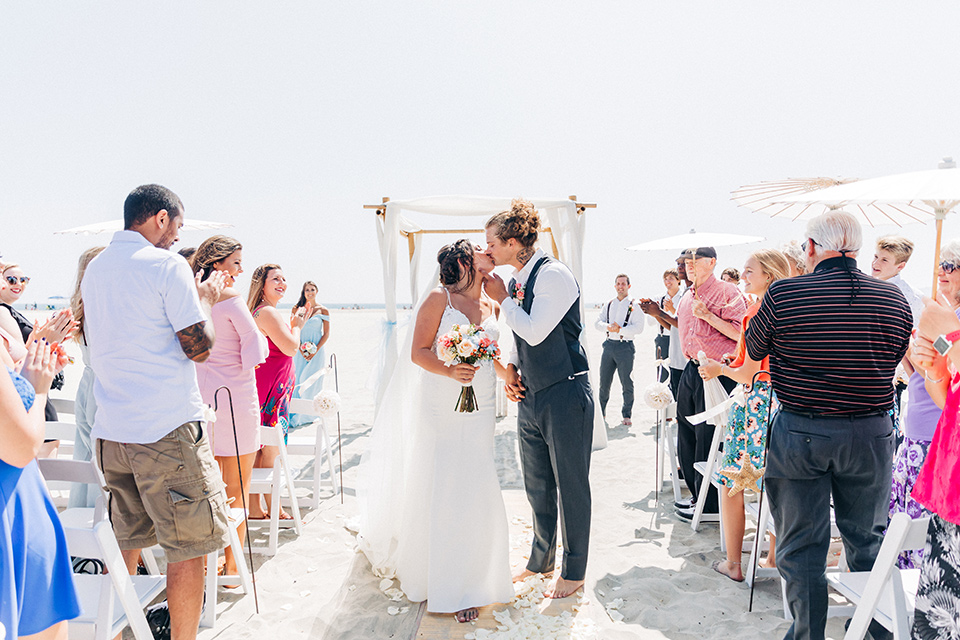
(239, 348)
(275, 377)
(889, 259)
(730, 275)
(311, 358)
(710, 320)
(621, 325)
(85, 405)
(37, 595)
(834, 338)
(665, 313)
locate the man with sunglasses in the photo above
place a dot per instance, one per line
(834, 337)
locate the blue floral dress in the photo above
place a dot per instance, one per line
(36, 576)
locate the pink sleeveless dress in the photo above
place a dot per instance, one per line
(276, 378)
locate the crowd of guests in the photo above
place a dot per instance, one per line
(160, 336)
(824, 352)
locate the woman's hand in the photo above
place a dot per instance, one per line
(710, 369)
(40, 365)
(57, 329)
(929, 359)
(298, 319)
(462, 373)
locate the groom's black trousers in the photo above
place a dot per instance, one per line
(555, 427)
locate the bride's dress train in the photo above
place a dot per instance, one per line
(450, 545)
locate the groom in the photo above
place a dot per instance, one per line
(548, 377)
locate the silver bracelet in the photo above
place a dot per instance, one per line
(929, 379)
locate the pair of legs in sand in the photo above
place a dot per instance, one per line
(559, 589)
(734, 524)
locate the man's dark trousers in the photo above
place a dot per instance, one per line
(555, 426)
(809, 459)
(618, 355)
(693, 441)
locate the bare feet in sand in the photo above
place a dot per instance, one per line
(730, 569)
(526, 573)
(467, 615)
(563, 588)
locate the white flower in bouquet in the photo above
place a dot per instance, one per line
(448, 355)
(466, 348)
(657, 395)
(326, 403)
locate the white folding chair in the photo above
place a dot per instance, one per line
(317, 447)
(112, 601)
(707, 469)
(668, 449)
(60, 470)
(64, 428)
(887, 594)
(273, 481)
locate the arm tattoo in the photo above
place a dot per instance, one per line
(196, 341)
(524, 255)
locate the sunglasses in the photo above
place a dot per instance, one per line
(949, 267)
(25, 279)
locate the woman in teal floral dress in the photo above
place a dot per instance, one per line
(746, 432)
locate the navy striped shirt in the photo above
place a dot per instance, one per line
(829, 356)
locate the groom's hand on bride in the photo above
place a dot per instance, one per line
(462, 373)
(494, 287)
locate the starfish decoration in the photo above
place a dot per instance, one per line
(745, 477)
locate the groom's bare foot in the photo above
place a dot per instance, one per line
(526, 573)
(563, 588)
(467, 615)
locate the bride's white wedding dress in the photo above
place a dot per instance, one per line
(449, 543)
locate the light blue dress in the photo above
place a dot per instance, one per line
(312, 331)
(84, 495)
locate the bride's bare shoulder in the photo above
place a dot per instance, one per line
(434, 303)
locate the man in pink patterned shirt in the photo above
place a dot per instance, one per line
(710, 317)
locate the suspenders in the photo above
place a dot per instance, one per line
(626, 320)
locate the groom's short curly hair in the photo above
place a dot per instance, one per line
(456, 259)
(521, 222)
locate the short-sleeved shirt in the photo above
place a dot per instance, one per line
(723, 300)
(834, 337)
(677, 359)
(136, 297)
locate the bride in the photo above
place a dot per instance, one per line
(431, 511)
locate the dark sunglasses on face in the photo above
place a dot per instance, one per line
(949, 267)
(21, 279)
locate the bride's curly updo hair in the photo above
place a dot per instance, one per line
(521, 222)
(456, 260)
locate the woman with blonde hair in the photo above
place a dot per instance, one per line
(238, 350)
(746, 431)
(85, 407)
(275, 377)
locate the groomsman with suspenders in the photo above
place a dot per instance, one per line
(621, 324)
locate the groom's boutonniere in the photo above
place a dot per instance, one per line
(517, 293)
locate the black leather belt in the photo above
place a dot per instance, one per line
(852, 416)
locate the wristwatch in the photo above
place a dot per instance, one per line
(943, 343)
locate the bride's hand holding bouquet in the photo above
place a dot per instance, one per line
(461, 351)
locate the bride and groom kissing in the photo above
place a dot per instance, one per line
(431, 511)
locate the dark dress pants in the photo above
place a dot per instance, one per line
(555, 428)
(693, 440)
(617, 356)
(675, 375)
(810, 459)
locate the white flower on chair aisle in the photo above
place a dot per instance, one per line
(657, 395)
(326, 403)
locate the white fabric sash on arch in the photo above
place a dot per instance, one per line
(560, 215)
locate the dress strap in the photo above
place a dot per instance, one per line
(449, 303)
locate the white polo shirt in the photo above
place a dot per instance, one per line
(135, 299)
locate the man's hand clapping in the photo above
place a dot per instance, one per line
(209, 289)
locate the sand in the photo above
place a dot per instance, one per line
(645, 563)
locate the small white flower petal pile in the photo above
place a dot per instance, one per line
(613, 609)
(531, 623)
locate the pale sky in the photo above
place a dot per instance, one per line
(285, 118)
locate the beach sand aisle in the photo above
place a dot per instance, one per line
(645, 564)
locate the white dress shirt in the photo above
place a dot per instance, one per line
(554, 292)
(135, 299)
(617, 310)
(913, 298)
(677, 359)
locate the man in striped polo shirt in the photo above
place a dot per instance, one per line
(834, 337)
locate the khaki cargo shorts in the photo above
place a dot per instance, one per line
(168, 492)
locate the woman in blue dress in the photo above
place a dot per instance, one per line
(37, 595)
(310, 358)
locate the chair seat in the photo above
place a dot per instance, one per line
(88, 592)
(851, 585)
(79, 517)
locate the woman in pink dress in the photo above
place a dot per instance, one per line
(237, 351)
(275, 377)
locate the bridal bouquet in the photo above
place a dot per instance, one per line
(466, 344)
(307, 349)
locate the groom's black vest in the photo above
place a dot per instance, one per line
(560, 355)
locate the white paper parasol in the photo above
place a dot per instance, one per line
(110, 226)
(767, 197)
(694, 239)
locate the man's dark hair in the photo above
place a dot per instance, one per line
(148, 200)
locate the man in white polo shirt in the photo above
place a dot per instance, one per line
(146, 320)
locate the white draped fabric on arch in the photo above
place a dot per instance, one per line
(564, 217)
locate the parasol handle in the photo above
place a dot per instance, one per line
(936, 255)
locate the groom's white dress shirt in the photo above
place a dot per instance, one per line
(555, 291)
(616, 311)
